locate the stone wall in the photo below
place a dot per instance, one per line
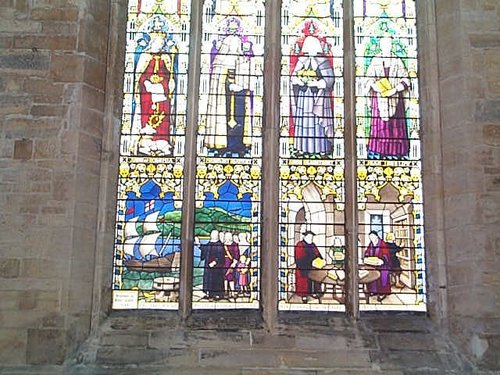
(52, 104)
(468, 43)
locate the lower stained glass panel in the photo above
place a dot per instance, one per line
(226, 253)
(147, 256)
(391, 249)
(229, 156)
(312, 235)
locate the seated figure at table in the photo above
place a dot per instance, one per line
(305, 254)
(379, 248)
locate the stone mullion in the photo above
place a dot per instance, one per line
(351, 210)
(188, 204)
(270, 167)
(432, 163)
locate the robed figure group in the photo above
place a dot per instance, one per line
(226, 262)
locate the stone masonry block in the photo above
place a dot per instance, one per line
(14, 104)
(23, 149)
(67, 68)
(67, 14)
(492, 63)
(99, 11)
(95, 74)
(19, 26)
(488, 111)
(9, 268)
(90, 147)
(59, 28)
(27, 300)
(491, 135)
(334, 342)
(42, 86)
(408, 341)
(92, 122)
(202, 338)
(44, 42)
(490, 358)
(46, 346)
(492, 183)
(92, 98)
(46, 148)
(43, 268)
(263, 340)
(112, 356)
(417, 324)
(6, 42)
(48, 110)
(490, 207)
(137, 339)
(12, 84)
(30, 127)
(233, 357)
(325, 358)
(485, 40)
(93, 46)
(403, 359)
(10, 300)
(25, 61)
(271, 371)
(12, 346)
(62, 186)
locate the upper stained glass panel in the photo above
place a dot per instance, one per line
(149, 207)
(231, 82)
(312, 84)
(155, 85)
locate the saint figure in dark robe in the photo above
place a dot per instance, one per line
(213, 276)
(230, 100)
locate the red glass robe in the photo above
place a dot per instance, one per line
(305, 253)
(159, 117)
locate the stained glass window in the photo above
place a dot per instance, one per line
(389, 170)
(226, 133)
(147, 250)
(229, 156)
(311, 223)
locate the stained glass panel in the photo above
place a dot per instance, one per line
(391, 251)
(147, 250)
(229, 156)
(311, 223)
